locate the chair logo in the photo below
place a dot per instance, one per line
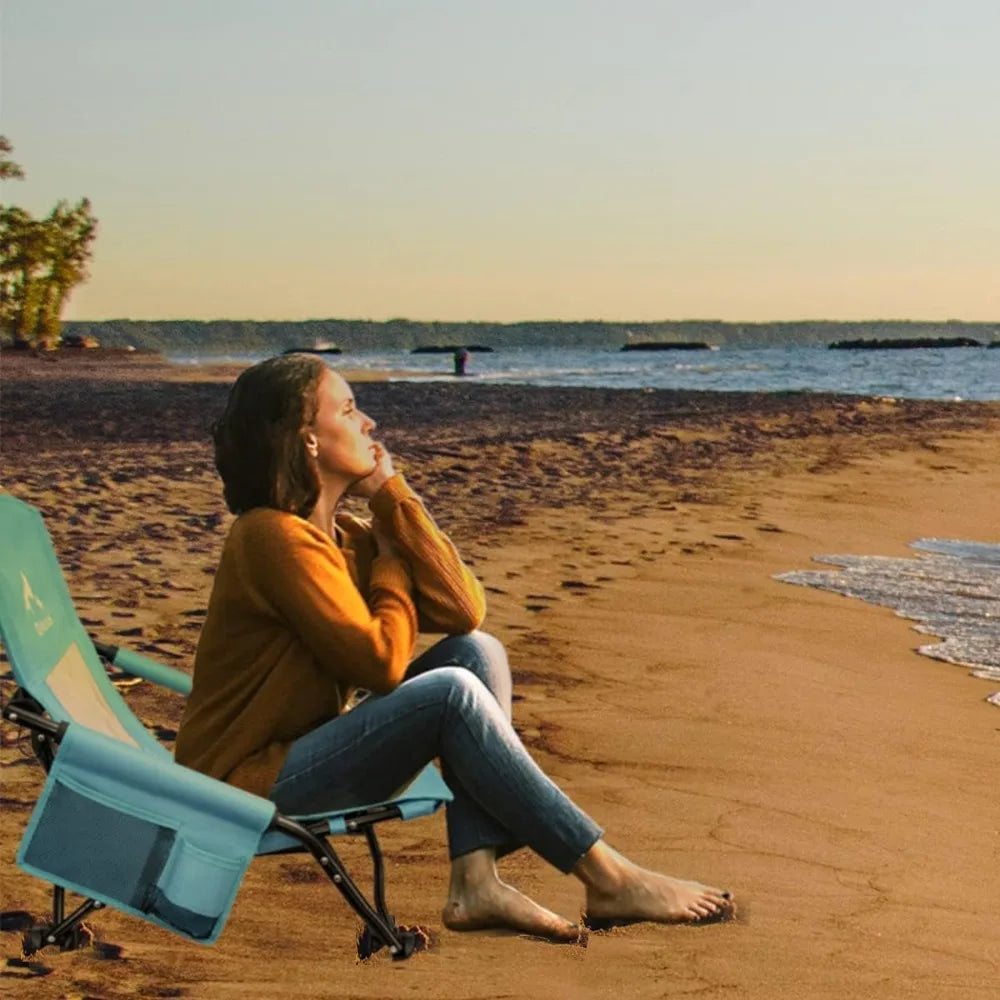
(32, 605)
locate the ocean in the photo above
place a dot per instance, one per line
(951, 589)
(938, 373)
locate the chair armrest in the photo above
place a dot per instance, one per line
(142, 666)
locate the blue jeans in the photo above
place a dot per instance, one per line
(455, 704)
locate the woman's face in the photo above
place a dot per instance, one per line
(340, 436)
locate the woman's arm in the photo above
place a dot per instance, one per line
(448, 596)
(299, 573)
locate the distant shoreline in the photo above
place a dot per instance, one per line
(274, 337)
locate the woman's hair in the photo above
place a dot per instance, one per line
(259, 447)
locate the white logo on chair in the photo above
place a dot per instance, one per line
(31, 602)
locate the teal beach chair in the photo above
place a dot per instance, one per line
(118, 821)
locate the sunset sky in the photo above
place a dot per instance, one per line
(475, 159)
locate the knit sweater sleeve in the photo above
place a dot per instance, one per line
(302, 575)
(448, 596)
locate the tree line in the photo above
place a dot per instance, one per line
(41, 262)
(193, 337)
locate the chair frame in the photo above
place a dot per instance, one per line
(380, 930)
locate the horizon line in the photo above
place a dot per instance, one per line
(521, 322)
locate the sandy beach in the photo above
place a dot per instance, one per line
(786, 743)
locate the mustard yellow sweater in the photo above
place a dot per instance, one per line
(297, 620)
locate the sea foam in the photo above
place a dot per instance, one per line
(951, 589)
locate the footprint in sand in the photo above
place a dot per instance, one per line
(105, 951)
(16, 920)
(300, 874)
(157, 649)
(27, 969)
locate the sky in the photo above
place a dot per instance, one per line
(742, 160)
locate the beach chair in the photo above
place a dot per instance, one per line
(118, 821)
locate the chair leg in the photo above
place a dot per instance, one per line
(378, 871)
(412, 938)
(66, 932)
(380, 928)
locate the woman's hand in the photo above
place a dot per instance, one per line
(369, 485)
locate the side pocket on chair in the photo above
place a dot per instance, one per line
(95, 847)
(195, 890)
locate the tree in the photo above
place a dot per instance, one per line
(9, 170)
(41, 262)
(69, 234)
(23, 245)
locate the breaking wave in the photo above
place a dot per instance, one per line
(951, 590)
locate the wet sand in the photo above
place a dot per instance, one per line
(786, 743)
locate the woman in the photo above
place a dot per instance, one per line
(310, 604)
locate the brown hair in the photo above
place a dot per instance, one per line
(259, 448)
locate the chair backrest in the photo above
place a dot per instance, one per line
(51, 655)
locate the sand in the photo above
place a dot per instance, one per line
(787, 743)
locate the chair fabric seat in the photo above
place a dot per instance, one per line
(423, 796)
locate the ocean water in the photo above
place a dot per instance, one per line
(939, 373)
(951, 589)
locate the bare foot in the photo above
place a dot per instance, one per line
(498, 906)
(478, 900)
(623, 893)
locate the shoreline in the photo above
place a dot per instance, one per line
(721, 725)
(125, 366)
(939, 380)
